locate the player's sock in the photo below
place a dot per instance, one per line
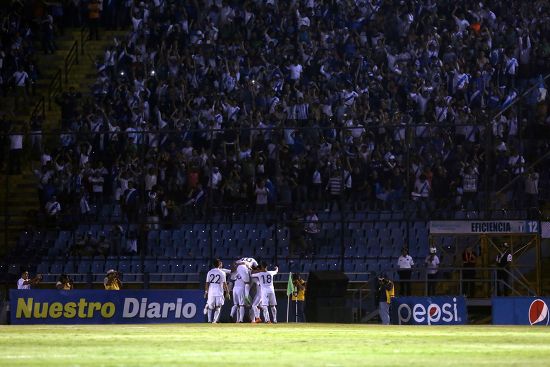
(233, 311)
(241, 313)
(274, 314)
(256, 312)
(266, 314)
(205, 311)
(217, 314)
(209, 313)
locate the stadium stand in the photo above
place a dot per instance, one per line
(214, 126)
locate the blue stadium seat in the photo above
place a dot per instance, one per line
(43, 268)
(84, 266)
(98, 267)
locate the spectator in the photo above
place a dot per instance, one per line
(404, 264)
(469, 187)
(312, 231)
(94, 12)
(261, 193)
(16, 150)
(432, 268)
(469, 273)
(25, 282)
(84, 208)
(421, 194)
(47, 27)
(20, 79)
(214, 184)
(53, 210)
(130, 203)
(131, 243)
(334, 188)
(532, 189)
(503, 260)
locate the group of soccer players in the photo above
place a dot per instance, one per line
(252, 287)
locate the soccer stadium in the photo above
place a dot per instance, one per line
(280, 182)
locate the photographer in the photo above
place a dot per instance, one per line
(386, 291)
(112, 281)
(299, 296)
(64, 283)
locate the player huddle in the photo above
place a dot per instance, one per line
(252, 288)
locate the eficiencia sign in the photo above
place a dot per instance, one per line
(483, 227)
(429, 311)
(520, 311)
(105, 307)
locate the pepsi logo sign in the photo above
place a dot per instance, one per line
(435, 312)
(538, 313)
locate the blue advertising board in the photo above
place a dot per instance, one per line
(429, 310)
(520, 311)
(105, 307)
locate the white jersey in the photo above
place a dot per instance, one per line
(248, 261)
(266, 280)
(405, 262)
(258, 292)
(242, 276)
(215, 279)
(21, 285)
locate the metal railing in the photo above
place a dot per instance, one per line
(55, 87)
(84, 34)
(515, 286)
(39, 108)
(70, 60)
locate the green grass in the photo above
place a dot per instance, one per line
(273, 345)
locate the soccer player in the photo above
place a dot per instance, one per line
(242, 279)
(257, 300)
(250, 263)
(215, 289)
(269, 301)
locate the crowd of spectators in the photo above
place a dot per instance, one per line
(364, 104)
(18, 71)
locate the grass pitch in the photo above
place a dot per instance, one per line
(231, 345)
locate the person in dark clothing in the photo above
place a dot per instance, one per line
(130, 203)
(468, 263)
(94, 12)
(504, 259)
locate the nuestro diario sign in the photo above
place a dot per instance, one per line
(105, 307)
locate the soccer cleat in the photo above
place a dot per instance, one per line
(268, 322)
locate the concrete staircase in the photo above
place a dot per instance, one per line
(19, 206)
(19, 202)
